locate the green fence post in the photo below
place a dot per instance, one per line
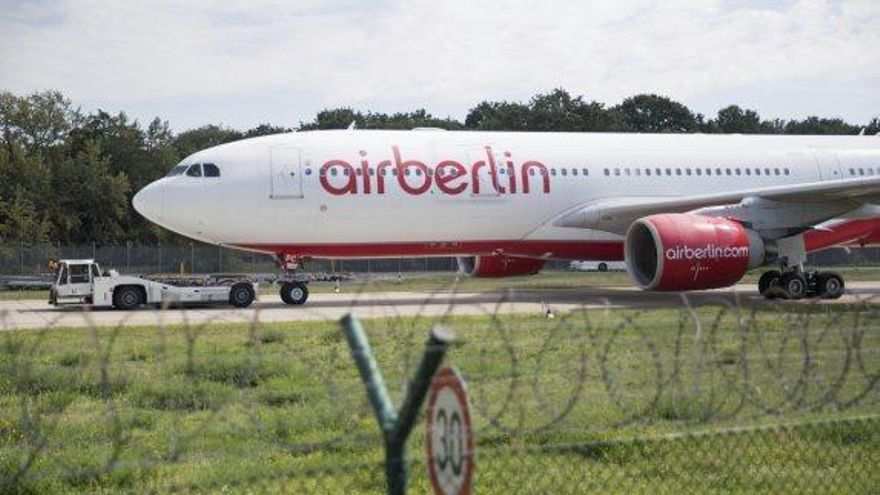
(396, 427)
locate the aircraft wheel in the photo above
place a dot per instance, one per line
(241, 295)
(830, 285)
(795, 285)
(603, 267)
(769, 284)
(295, 293)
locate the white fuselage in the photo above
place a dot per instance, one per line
(396, 193)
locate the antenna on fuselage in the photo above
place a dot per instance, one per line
(352, 126)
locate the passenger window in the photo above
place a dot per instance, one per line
(607, 172)
(776, 171)
(638, 172)
(585, 171)
(718, 171)
(678, 171)
(626, 171)
(531, 171)
(616, 171)
(708, 171)
(699, 171)
(861, 171)
(757, 171)
(648, 171)
(766, 171)
(195, 170)
(748, 171)
(333, 171)
(668, 171)
(852, 171)
(785, 171)
(553, 172)
(211, 170)
(687, 171)
(727, 171)
(564, 172)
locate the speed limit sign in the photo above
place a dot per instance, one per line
(450, 442)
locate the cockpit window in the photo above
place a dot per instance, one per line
(195, 170)
(177, 170)
(211, 170)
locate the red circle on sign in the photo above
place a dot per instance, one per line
(449, 378)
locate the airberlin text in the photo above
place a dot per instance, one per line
(485, 176)
(710, 251)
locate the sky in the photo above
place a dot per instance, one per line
(244, 62)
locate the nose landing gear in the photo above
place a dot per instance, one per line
(795, 283)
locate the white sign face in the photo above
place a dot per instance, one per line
(450, 443)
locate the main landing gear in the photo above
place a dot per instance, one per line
(796, 283)
(294, 290)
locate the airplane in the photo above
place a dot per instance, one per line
(683, 211)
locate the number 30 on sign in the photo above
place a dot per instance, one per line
(450, 441)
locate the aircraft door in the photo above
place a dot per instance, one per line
(286, 173)
(829, 167)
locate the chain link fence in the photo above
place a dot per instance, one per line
(712, 395)
(25, 260)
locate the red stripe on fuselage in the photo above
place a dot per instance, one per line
(850, 232)
(564, 250)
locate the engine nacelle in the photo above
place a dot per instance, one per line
(674, 251)
(498, 265)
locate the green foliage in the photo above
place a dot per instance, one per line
(816, 125)
(341, 118)
(653, 113)
(554, 111)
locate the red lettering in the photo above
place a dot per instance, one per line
(350, 186)
(511, 173)
(475, 175)
(365, 170)
(542, 171)
(493, 171)
(448, 171)
(380, 175)
(402, 166)
(450, 175)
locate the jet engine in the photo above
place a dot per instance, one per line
(498, 265)
(675, 252)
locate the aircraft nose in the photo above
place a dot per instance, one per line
(150, 201)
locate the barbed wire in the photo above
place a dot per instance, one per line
(277, 405)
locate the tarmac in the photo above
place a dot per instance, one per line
(38, 314)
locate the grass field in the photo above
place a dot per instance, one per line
(582, 403)
(420, 282)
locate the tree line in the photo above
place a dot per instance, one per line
(68, 176)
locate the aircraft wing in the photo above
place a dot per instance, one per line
(616, 214)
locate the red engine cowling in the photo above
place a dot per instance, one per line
(498, 265)
(671, 252)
